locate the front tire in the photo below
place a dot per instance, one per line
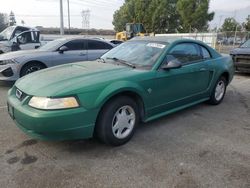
(31, 67)
(117, 121)
(218, 92)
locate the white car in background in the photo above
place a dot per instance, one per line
(15, 38)
(14, 65)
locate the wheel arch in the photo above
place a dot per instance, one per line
(30, 62)
(226, 76)
(134, 93)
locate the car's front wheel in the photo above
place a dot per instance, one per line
(31, 67)
(219, 91)
(117, 121)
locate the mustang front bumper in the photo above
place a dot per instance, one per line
(77, 123)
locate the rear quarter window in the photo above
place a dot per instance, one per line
(205, 53)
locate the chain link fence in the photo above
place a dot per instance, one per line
(223, 42)
(226, 41)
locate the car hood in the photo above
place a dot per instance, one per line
(21, 53)
(242, 51)
(73, 78)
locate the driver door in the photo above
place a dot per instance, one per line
(28, 40)
(187, 84)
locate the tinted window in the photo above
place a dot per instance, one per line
(97, 45)
(205, 53)
(25, 38)
(185, 53)
(75, 45)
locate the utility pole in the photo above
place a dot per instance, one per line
(68, 16)
(235, 32)
(218, 27)
(61, 18)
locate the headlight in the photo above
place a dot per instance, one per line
(8, 61)
(53, 103)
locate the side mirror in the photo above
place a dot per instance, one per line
(173, 64)
(63, 49)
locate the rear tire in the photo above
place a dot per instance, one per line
(117, 121)
(218, 92)
(31, 67)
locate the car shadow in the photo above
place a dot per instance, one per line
(94, 147)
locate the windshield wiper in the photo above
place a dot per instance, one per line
(122, 61)
(102, 60)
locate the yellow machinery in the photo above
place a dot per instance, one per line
(132, 30)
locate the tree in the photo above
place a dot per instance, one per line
(120, 18)
(194, 14)
(230, 24)
(3, 23)
(12, 19)
(246, 24)
(164, 16)
(156, 15)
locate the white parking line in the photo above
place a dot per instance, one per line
(1, 107)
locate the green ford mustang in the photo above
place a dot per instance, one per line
(140, 80)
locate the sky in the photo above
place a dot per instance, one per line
(46, 12)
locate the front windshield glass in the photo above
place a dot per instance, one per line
(246, 44)
(138, 53)
(52, 45)
(6, 34)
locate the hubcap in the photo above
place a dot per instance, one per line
(123, 122)
(33, 69)
(219, 90)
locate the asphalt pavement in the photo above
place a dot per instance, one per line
(202, 146)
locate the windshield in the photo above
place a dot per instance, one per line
(52, 45)
(246, 44)
(138, 53)
(6, 34)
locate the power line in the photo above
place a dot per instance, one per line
(92, 4)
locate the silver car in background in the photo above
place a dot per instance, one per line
(14, 65)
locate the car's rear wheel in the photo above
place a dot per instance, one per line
(117, 121)
(219, 91)
(31, 67)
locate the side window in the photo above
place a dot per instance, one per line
(18, 31)
(97, 45)
(25, 38)
(205, 53)
(75, 45)
(185, 53)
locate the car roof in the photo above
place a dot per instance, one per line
(25, 27)
(67, 39)
(166, 39)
